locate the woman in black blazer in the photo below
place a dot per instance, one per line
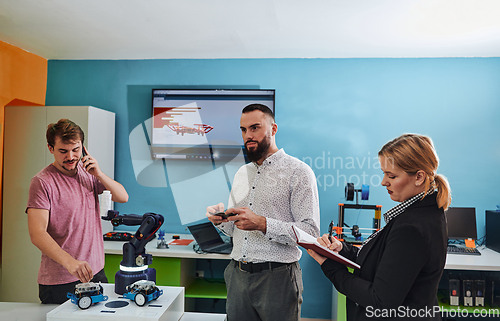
(402, 263)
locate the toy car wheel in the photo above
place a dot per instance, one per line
(84, 302)
(140, 299)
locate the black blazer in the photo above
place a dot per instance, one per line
(400, 268)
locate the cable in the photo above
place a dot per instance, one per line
(481, 241)
(359, 212)
(197, 249)
(213, 305)
(210, 267)
(212, 274)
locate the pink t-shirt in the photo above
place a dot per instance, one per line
(74, 219)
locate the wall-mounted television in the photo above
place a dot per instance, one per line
(196, 124)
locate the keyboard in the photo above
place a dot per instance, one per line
(462, 250)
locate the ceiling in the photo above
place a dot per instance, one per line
(166, 29)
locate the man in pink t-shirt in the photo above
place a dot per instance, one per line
(63, 214)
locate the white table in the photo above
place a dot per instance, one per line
(167, 307)
(15, 311)
(489, 260)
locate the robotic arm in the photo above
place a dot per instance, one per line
(134, 265)
(134, 253)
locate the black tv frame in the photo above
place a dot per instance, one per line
(206, 151)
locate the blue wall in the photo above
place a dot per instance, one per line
(335, 114)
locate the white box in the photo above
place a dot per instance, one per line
(168, 307)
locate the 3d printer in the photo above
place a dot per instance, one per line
(350, 191)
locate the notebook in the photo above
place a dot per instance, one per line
(208, 238)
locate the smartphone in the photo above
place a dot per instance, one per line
(83, 155)
(224, 215)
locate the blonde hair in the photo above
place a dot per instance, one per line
(412, 153)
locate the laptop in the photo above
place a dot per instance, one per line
(208, 238)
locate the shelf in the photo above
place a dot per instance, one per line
(207, 289)
(445, 305)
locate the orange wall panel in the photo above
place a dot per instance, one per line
(23, 75)
(23, 81)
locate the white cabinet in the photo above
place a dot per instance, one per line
(25, 154)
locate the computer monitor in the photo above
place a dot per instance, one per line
(461, 223)
(492, 228)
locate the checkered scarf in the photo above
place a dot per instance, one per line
(394, 212)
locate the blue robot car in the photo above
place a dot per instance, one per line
(142, 292)
(87, 294)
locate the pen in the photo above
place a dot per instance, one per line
(330, 231)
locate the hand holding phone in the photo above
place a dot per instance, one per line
(224, 215)
(84, 153)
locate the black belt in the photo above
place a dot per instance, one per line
(258, 267)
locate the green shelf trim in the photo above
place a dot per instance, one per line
(111, 266)
(207, 289)
(168, 270)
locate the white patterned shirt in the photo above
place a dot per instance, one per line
(284, 190)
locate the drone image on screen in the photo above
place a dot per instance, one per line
(201, 130)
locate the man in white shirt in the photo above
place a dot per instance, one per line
(269, 195)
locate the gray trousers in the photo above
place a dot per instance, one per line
(269, 295)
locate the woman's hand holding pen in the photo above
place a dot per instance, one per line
(329, 242)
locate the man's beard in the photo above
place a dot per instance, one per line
(65, 166)
(258, 152)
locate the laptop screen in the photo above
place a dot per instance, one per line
(205, 234)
